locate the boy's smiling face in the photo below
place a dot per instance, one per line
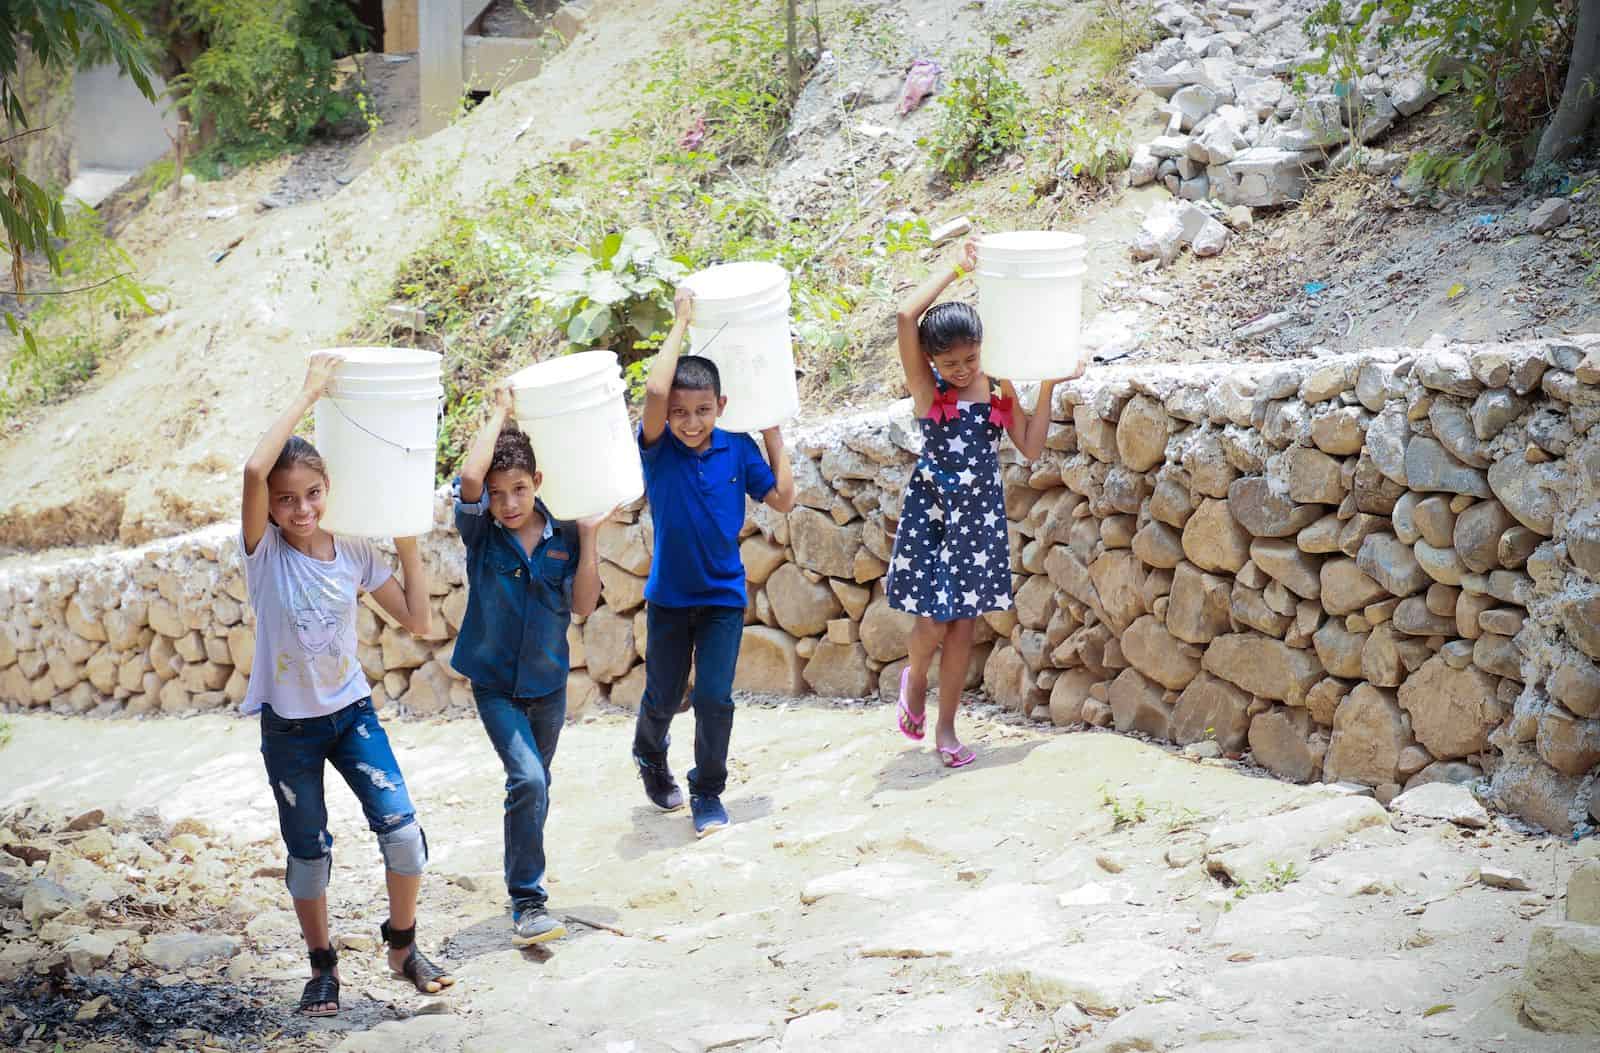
(692, 413)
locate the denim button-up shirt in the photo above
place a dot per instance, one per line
(519, 605)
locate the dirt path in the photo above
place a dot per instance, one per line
(866, 899)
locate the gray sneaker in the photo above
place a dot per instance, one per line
(535, 925)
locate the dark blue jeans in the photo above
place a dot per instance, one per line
(354, 742)
(524, 732)
(708, 639)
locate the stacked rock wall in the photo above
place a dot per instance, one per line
(1379, 568)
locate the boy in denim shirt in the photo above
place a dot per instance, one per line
(696, 478)
(526, 576)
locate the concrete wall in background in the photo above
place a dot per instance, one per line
(115, 127)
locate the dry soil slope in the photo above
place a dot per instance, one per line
(150, 447)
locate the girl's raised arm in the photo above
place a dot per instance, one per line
(919, 373)
(254, 507)
(1028, 430)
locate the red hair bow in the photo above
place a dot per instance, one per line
(947, 407)
(1000, 410)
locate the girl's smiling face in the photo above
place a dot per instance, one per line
(959, 364)
(297, 495)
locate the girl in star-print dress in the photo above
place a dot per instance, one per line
(951, 561)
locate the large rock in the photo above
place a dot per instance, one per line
(1280, 741)
(1197, 605)
(1265, 667)
(1583, 893)
(1452, 710)
(608, 645)
(768, 663)
(1211, 708)
(1391, 563)
(1430, 467)
(1561, 982)
(1157, 654)
(1284, 562)
(761, 557)
(822, 545)
(1215, 541)
(1263, 512)
(1569, 744)
(886, 632)
(624, 545)
(1369, 731)
(801, 607)
(1477, 535)
(174, 951)
(1312, 476)
(1575, 683)
(1118, 578)
(1339, 650)
(1445, 801)
(1530, 492)
(1346, 588)
(1068, 695)
(43, 899)
(1158, 545)
(1248, 851)
(621, 591)
(1101, 975)
(839, 671)
(1142, 433)
(1524, 784)
(1261, 177)
(1008, 680)
(1136, 705)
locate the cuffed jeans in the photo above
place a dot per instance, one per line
(524, 732)
(708, 639)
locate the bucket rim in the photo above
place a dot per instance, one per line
(571, 402)
(383, 356)
(1031, 244)
(732, 285)
(576, 368)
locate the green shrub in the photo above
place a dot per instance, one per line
(984, 115)
(70, 327)
(264, 78)
(617, 294)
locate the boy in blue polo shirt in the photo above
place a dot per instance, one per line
(526, 575)
(696, 477)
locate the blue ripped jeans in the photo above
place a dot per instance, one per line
(524, 732)
(353, 741)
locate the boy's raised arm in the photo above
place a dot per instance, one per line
(481, 455)
(781, 497)
(658, 388)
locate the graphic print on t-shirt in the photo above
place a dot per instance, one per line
(316, 628)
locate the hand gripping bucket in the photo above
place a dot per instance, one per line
(378, 432)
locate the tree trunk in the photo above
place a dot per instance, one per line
(1580, 96)
(794, 59)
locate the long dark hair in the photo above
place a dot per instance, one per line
(948, 324)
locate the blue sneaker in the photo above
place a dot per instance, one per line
(709, 815)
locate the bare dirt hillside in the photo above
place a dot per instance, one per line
(150, 447)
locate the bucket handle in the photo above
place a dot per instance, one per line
(438, 413)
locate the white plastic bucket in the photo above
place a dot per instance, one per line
(575, 412)
(378, 430)
(1030, 295)
(741, 322)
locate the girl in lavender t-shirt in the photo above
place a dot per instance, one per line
(314, 701)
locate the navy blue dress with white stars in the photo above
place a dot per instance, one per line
(951, 559)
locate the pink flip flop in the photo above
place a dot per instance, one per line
(910, 726)
(959, 757)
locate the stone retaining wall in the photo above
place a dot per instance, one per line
(1379, 568)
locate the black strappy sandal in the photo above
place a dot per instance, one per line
(322, 989)
(417, 968)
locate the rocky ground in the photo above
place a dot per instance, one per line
(1071, 890)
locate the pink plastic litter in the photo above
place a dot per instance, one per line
(920, 82)
(694, 136)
